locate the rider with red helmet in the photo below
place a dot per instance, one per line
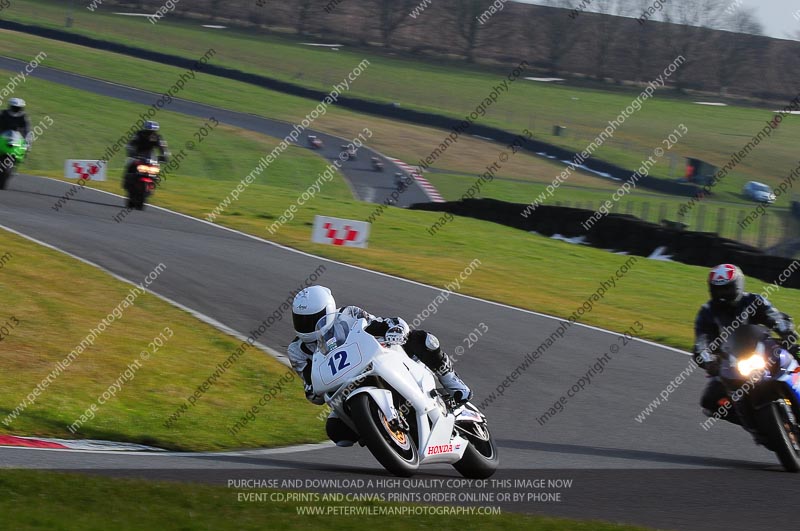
(730, 308)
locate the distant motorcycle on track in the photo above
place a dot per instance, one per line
(13, 149)
(348, 152)
(314, 142)
(392, 403)
(146, 176)
(377, 164)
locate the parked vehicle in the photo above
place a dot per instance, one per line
(759, 192)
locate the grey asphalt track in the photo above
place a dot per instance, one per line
(666, 472)
(369, 185)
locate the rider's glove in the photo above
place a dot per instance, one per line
(313, 398)
(397, 334)
(710, 362)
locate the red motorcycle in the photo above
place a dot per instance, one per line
(314, 142)
(146, 176)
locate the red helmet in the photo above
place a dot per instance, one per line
(726, 284)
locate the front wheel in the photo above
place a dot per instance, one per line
(783, 435)
(394, 448)
(5, 173)
(480, 459)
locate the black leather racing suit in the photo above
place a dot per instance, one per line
(19, 123)
(142, 145)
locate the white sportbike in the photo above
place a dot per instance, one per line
(391, 401)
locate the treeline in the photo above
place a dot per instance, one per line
(555, 41)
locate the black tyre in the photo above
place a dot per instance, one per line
(137, 198)
(783, 436)
(480, 459)
(396, 450)
(5, 175)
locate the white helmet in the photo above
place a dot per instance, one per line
(309, 306)
(16, 106)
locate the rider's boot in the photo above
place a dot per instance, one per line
(426, 348)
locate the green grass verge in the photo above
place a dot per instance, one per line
(455, 89)
(56, 300)
(82, 502)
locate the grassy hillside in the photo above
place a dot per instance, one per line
(470, 156)
(715, 132)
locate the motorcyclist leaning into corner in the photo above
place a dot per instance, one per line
(314, 302)
(15, 119)
(141, 146)
(732, 307)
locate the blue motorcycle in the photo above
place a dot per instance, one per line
(763, 382)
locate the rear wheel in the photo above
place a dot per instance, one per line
(137, 197)
(783, 435)
(480, 459)
(393, 447)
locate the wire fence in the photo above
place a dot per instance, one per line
(773, 227)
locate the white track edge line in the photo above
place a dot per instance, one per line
(308, 447)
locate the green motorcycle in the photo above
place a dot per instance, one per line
(13, 149)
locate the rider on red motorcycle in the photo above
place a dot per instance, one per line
(141, 146)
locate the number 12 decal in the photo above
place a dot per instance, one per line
(342, 357)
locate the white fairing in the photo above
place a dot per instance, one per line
(340, 372)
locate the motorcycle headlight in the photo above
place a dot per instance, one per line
(754, 363)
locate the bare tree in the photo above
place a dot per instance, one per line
(391, 15)
(737, 51)
(556, 33)
(216, 8)
(635, 57)
(686, 32)
(303, 12)
(468, 24)
(606, 32)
